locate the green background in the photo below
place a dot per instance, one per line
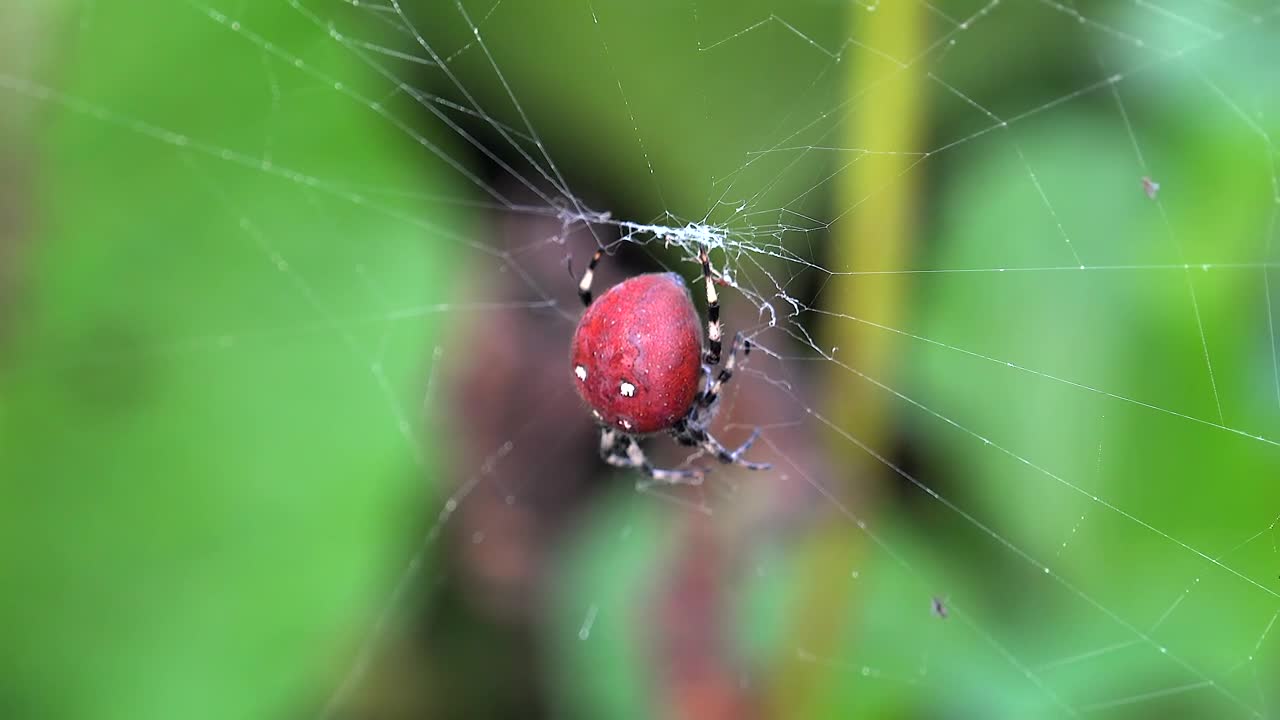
(214, 457)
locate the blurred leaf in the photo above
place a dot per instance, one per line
(602, 628)
(1106, 417)
(210, 431)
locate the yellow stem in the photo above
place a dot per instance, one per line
(877, 234)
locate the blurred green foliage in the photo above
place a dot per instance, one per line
(210, 456)
(1153, 498)
(205, 486)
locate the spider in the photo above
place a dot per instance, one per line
(638, 361)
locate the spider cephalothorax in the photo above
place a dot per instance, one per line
(638, 361)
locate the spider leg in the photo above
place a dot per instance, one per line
(692, 429)
(584, 285)
(690, 433)
(704, 382)
(709, 396)
(714, 330)
(622, 450)
(733, 457)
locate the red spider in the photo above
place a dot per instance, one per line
(638, 361)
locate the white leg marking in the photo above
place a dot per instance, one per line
(606, 440)
(635, 454)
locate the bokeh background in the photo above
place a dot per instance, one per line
(287, 429)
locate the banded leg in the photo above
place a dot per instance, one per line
(733, 457)
(621, 450)
(693, 435)
(584, 285)
(712, 391)
(714, 329)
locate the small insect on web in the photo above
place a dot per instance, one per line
(939, 606)
(638, 361)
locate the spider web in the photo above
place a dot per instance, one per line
(1015, 353)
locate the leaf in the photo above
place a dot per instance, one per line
(211, 434)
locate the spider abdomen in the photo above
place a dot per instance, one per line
(636, 354)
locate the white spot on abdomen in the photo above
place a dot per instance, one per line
(628, 390)
(581, 372)
(625, 425)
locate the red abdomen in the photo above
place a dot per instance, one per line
(636, 355)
